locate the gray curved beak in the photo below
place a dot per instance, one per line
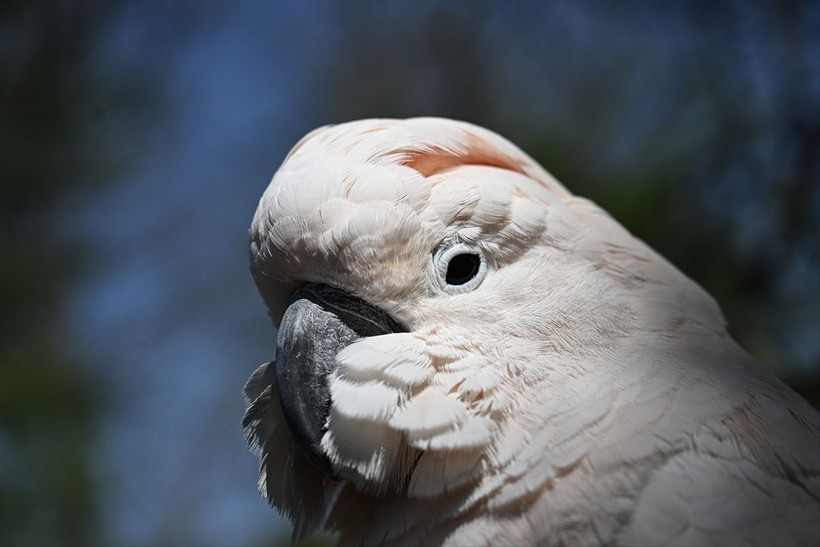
(320, 321)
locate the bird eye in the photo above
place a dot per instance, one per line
(460, 268)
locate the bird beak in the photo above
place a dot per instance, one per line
(319, 322)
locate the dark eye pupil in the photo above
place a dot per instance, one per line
(462, 268)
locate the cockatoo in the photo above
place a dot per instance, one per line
(469, 354)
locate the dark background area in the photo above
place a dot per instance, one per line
(136, 139)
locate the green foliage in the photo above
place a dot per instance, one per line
(47, 405)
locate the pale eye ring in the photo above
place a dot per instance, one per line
(460, 268)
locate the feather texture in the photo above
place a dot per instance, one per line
(585, 392)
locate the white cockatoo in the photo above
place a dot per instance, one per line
(469, 354)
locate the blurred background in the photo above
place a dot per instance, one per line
(136, 139)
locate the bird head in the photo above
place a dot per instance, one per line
(431, 282)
